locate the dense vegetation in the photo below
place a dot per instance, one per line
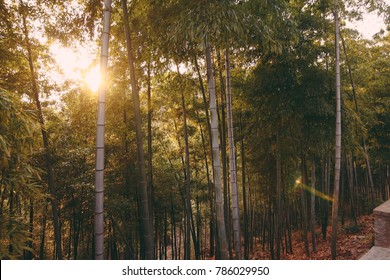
(219, 128)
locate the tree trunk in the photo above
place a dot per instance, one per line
(198, 230)
(188, 210)
(304, 207)
(278, 214)
(150, 148)
(313, 205)
(222, 127)
(335, 204)
(364, 146)
(232, 163)
(76, 234)
(145, 217)
(43, 233)
(244, 199)
(45, 137)
(289, 230)
(173, 231)
(216, 157)
(11, 213)
(29, 253)
(165, 234)
(387, 182)
(99, 185)
(327, 192)
(70, 235)
(211, 193)
(188, 182)
(351, 187)
(252, 211)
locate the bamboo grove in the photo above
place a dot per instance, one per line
(211, 136)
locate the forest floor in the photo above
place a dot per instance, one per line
(351, 245)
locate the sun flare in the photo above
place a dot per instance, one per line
(78, 65)
(92, 78)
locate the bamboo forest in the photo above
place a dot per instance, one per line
(207, 129)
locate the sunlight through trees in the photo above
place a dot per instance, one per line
(190, 129)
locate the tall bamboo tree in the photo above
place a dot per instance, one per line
(188, 180)
(313, 205)
(216, 156)
(338, 134)
(145, 217)
(99, 183)
(45, 136)
(232, 162)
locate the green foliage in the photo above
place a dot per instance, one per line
(18, 178)
(378, 88)
(14, 235)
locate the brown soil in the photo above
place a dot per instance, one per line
(351, 244)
